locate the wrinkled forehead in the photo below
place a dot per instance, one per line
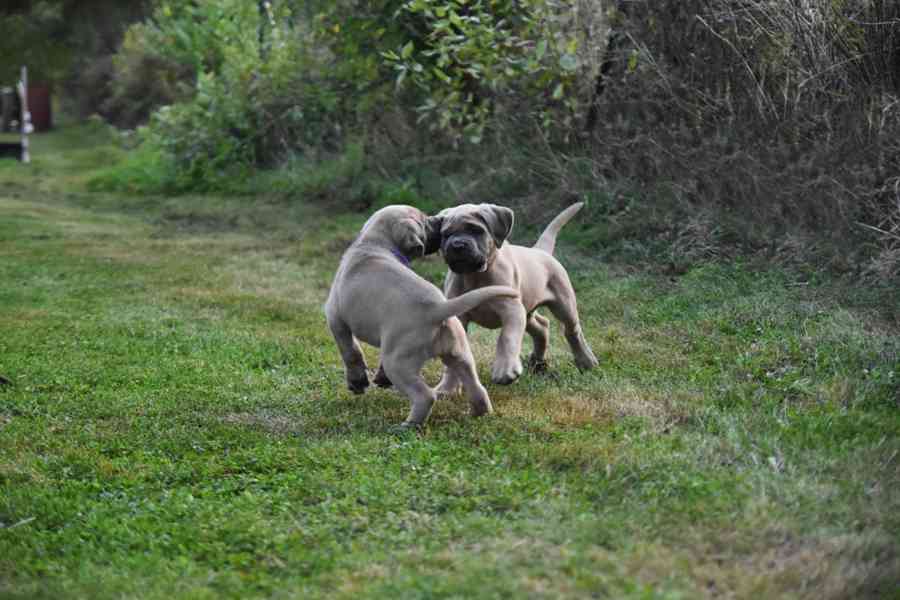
(458, 217)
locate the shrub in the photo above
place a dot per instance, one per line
(143, 77)
(195, 65)
(471, 61)
(31, 38)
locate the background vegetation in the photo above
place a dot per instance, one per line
(718, 127)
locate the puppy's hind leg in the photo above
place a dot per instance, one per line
(351, 354)
(405, 373)
(450, 380)
(463, 368)
(460, 365)
(538, 327)
(565, 309)
(449, 383)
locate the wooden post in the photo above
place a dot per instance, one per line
(26, 115)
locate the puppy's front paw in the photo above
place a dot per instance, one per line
(405, 429)
(504, 374)
(358, 385)
(586, 361)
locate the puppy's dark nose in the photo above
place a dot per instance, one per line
(457, 244)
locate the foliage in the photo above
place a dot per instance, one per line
(472, 59)
(200, 64)
(263, 88)
(31, 39)
(144, 77)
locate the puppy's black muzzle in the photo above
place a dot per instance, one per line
(462, 255)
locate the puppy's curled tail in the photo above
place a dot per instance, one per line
(466, 302)
(547, 241)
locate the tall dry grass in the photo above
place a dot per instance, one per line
(781, 112)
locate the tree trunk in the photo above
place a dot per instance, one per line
(612, 42)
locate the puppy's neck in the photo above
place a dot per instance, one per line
(400, 256)
(374, 238)
(491, 259)
(383, 244)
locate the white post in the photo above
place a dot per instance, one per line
(26, 115)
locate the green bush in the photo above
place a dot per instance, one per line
(144, 77)
(32, 39)
(261, 89)
(473, 62)
(206, 140)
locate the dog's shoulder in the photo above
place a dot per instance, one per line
(380, 269)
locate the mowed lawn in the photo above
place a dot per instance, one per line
(176, 423)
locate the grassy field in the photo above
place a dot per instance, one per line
(176, 423)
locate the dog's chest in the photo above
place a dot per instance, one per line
(485, 316)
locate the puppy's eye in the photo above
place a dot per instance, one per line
(474, 230)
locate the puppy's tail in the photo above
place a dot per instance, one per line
(466, 302)
(547, 241)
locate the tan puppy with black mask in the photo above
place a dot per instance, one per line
(378, 299)
(473, 244)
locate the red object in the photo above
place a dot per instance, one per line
(39, 106)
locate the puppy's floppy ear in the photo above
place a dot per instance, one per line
(499, 221)
(433, 233)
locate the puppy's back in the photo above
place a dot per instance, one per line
(373, 290)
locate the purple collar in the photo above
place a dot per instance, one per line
(400, 257)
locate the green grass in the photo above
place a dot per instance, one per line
(178, 426)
